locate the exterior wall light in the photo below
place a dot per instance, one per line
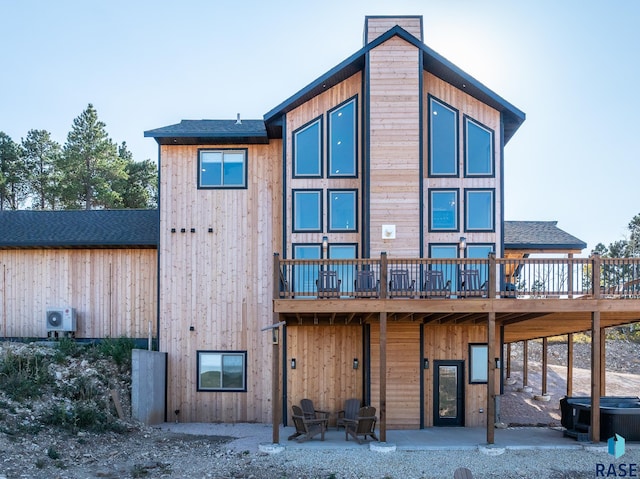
(325, 245)
(425, 363)
(355, 363)
(293, 363)
(498, 364)
(462, 244)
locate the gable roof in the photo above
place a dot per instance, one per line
(210, 132)
(539, 235)
(431, 61)
(79, 228)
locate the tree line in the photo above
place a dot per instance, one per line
(90, 171)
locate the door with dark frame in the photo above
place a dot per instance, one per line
(448, 391)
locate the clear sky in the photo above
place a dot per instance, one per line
(571, 65)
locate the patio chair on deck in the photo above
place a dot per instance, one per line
(434, 285)
(366, 285)
(470, 284)
(306, 428)
(400, 285)
(328, 284)
(350, 411)
(310, 412)
(363, 425)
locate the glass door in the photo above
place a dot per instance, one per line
(448, 404)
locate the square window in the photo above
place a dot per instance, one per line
(443, 139)
(342, 210)
(478, 149)
(307, 210)
(307, 154)
(443, 210)
(222, 371)
(479, 210)
(222, 168)
(342, 140)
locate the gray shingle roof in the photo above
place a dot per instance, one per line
(538, 235)
(93, 228)
(210, 132)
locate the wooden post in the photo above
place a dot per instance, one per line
(491, 291)
(603, 362)
(383, 376)
(525, 363)
(491, 379)
(570, 276)
(383, 275)
(569, 364)
(275, 359)
(595, 376)
(508, 360)
(544, 366)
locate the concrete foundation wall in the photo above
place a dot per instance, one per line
(148, 386)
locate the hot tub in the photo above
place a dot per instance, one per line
(618, 415)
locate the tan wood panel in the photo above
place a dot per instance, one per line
(112, 290)
(403, 373)
(324, 366)
(215, 286)
(377, 26)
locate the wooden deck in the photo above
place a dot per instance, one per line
(531, 298)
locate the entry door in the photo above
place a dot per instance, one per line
(448, 401)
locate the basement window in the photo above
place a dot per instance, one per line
(222, 371)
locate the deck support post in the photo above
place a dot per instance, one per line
(276, 407)
(603, 362)
(544, 365)
(569, 364)
(383, 376)
(525, 363)
(508, 360)
(491, 379)
(595, 376)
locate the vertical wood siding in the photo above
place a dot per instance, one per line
(380, 25)
(218, 283)
(403, 373)
(394, 123)
(113, 291)
(324, 365)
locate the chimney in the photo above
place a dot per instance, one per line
(238, 121)
(374, 26)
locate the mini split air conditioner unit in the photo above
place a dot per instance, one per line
(61, 319)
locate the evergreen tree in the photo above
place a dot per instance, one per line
(90, 165)
(13, 174)
(41, 154)
(140, 190)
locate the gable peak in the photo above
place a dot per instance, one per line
(375, 26)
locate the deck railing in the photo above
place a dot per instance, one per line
(523, 278)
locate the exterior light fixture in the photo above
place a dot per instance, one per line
(498, 363)
(355, 363)
(325, 243)
(293, 363)
(425, 363)
(463, 243)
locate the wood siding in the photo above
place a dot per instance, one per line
(451, 342)
(324, 366)
(215, 287)
(394, 147)
(403, 373)
(377, 26)
(112, 290)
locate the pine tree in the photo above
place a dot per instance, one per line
(90, 165)
(41, 155)
(13, 174)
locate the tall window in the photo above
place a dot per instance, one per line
(443, 210)
(307, 210)
(305, 275)
(480, 252)
(479, 207)
(345, 272)
(307, 152)
(478, 149)
(342, 210)
(222, 168)
(443, 139)
(222, 371)
(342, 140)
(450, 270)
